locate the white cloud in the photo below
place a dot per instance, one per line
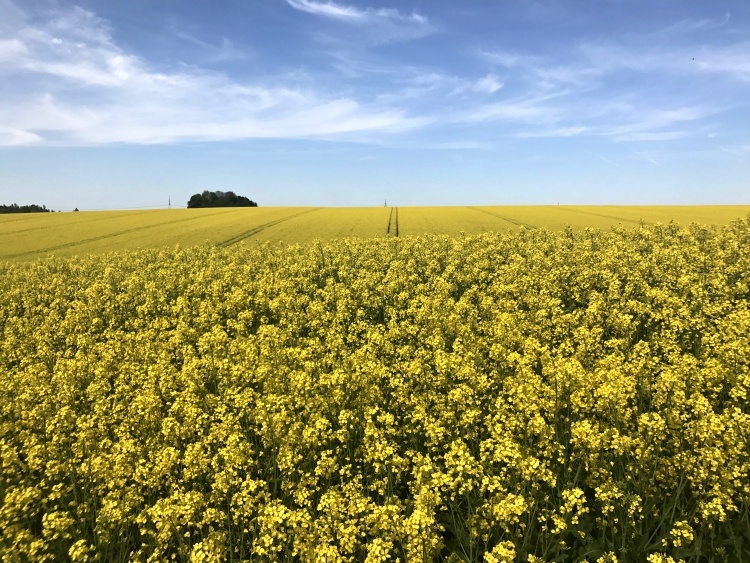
(542, 72)
(571, 131)
(11, 50)
(92, 91)
(571, 110)
(512, 111)
(511, 60)
(732, 60)
(224, 51)
(420, 85)
(603, 95)
(652, 136)
(66, 80)
(591, 63)
(381, 24)
(17, 137)
(456, 145)
(409, 84)
(690, 25)
(648, 157)
(648, 125)
(529, 109)
(737, 150)
(488, 85)
(329, 10)
(608, 161)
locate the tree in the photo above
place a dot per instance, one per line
(15, 208)
(219, 199)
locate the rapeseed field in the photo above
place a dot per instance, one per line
(532, 395)
(30, 236)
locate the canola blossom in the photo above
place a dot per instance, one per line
(527, 396)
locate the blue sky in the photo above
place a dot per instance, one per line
(109, 105)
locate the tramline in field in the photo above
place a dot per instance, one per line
(36, 235)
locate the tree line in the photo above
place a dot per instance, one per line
(15, 208)
(220, 199)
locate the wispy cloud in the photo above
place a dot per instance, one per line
(627, 88)
(223, 51)
(565, 107)
(690, 25)
(512, 60)
(488, 85)
(738, 150)
(643, 124)
(523, 109)
(542, 71)
(66, 79)
(608, 161)
(89, 90)
(553, 132)
(330, 10)
(381, 24)
(732, 60)
(17, 137)
(652, 136)
(647, 156)
(418, 85)
(455, 145)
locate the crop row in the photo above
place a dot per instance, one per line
(67, 234)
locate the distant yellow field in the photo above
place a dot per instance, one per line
(29, 236)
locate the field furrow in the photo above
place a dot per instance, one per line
(110, 235)
(513, 222)
(30, 236)
(258, 229)
(327, 223)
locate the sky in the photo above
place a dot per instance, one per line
(107, 104)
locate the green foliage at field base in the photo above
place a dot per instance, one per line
(533, 396)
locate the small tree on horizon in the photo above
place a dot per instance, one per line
(219, 199)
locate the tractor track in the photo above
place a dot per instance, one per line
(259, 228)
(634, 221)
(83, 222)
(504, 218)
(108, 235)
(393, 222)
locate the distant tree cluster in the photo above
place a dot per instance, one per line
(15, 208)
(220, 199)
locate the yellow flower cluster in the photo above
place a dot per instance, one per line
(532, 396)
